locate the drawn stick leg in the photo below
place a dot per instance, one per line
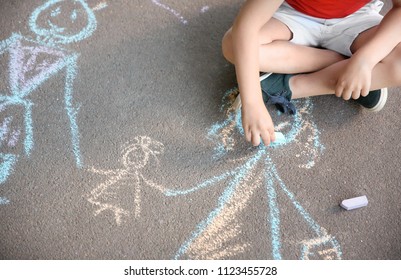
(8, 159)
(72, 112)
(28, 141)
(7, 163)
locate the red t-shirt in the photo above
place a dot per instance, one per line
(327, 8)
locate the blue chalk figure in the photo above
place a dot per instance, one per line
(213, 237)
(34, 61)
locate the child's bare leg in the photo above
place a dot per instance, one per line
(278, 55)
(288, 58)
(386, 73)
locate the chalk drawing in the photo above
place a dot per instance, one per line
(100, 6)
(177, 14)
(171, 10)
(7, 163)
(33, 61)
(134, 157)
(4, 201)
(52, 21)
(218, 235)
(204, 9)
(8, 136)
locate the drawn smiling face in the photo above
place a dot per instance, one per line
(63, 21)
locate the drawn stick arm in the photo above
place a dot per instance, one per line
(152, 184)
(105, 172)
(205, 184)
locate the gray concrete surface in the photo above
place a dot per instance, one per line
(148, 91)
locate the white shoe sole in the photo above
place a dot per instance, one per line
(382, 101)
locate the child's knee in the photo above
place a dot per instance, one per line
(227, 46)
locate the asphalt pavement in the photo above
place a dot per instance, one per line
(118, 142)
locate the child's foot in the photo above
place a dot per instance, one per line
(374, 101)
(276, 91)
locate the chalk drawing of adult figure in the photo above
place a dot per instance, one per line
(218, 236)
(33, 61)
(126, 181)
(10, 131)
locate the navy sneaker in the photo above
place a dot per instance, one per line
(375, 100)
(276, 91)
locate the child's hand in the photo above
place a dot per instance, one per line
(257, 124)
(355, 80)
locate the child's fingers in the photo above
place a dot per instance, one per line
(346, 94)
(339, 91)
(365, 91)
(266, 138)
(343, 91)
(356, 94)
(255, 139)
(248, 134)
(272, 134)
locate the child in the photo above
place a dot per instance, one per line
(342, 47)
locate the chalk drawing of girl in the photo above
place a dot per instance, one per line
(129, 179)
(33, 61)
(214, 235)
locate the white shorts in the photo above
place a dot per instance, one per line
(336, 34)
